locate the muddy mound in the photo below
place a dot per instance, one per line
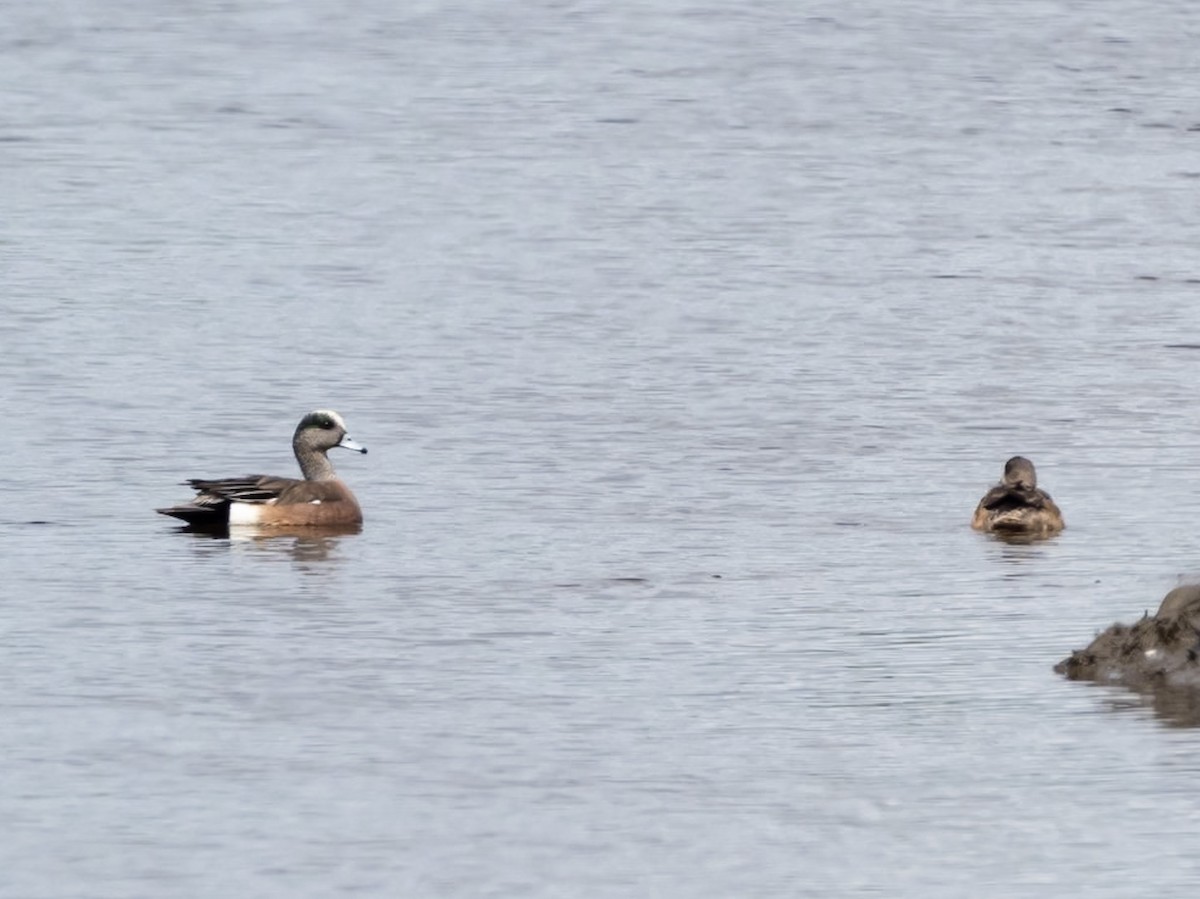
(1161, 650)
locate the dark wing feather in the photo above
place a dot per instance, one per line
(1002, 498)
(198, 514)
(209, 508)
(252, 488)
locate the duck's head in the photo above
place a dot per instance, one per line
(322, 430)
(1019, 472)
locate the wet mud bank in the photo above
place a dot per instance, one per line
(1161, 650)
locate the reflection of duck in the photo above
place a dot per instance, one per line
(319, 500)
(1017, 506)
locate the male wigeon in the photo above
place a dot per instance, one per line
(320, 499)
(1017, 506)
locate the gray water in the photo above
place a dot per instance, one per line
(684, 338)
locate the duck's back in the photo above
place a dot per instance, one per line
(1017, 509)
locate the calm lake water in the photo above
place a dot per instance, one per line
(684, 338)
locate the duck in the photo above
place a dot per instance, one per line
(1017, 506)
(319, 499)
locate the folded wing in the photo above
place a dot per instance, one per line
(212, 500)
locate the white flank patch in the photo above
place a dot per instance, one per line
(314, 502)
(244, 513)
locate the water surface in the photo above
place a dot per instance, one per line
(684, 339)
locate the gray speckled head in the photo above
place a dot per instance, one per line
(1019, 472)
(318, 432)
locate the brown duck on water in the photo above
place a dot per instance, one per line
(1017, 505)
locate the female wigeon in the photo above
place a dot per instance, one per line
(1016, 505)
